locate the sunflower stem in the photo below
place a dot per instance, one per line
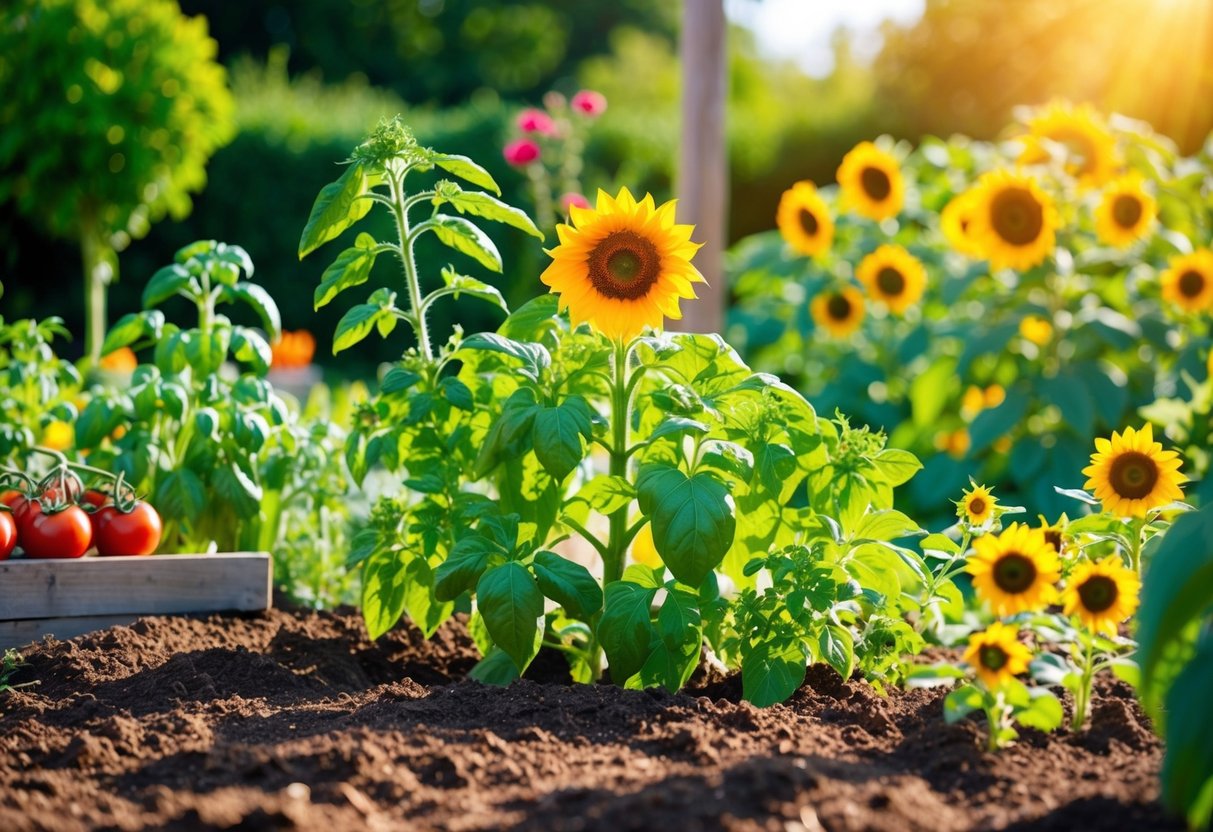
(1136, 527)
(1082, 698)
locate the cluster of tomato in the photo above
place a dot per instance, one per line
(62, 519)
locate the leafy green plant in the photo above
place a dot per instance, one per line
(37, 387)
(10, 663)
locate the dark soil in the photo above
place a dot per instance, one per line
(292, 720)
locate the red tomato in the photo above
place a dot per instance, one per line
(136, 532)
(8, 534)
(10, 496)
(94, 498)
(64, 534)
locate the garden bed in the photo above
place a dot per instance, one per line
(293, 719)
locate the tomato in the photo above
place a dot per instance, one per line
(136, 532)
(10, 496)
(8, 534)
(64, 534)
(94, 498)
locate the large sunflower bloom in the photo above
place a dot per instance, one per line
(893, 276)
(622, 265)
(1014, 221)
(1090, 146)
(1102, 594)
(1131, 474)
(804, 219)
(871, 182)
(997, 655)
(956, 222)
(1125, 212)
(1187, 281)
(838, 311)
(1014, 571)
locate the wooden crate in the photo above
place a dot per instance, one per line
(67, 598)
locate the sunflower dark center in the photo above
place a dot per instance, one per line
(890, 281)
(1191, 284)
(1053, 538)
(838, 307)
(624, 266)
(1017, 216)
(1126, 211)
(876, 183)
(977, 506)
(1133, 475)
(992, 657)
(808, 221)
(1014, 573)
(1098, 593)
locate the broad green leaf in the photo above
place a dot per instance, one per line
(1187, 769)
(895, 466)
(261, 302)
(692, 519)
(458, 285)
(939, 543)
(561, 435)
(466, 237)
(351, 268)
(96, 421)
(238, 489)
(251, 348)
(535, 357)
(606, 494)
(358, 322)
(625, 630)
(420, 602)
(568, 584)
(468, 560)
(398, 379)
(180, 495)
(837, 649)
(889, 524)
(383, 591)
(509, 437)
(128, 330)
(491, 208)
(997, 422)
(961, 702)
(1069, 392)
(511, 604)
(677, 426)
(465, 169)
(933, 675)
(771, 672)
(929, 392)
(338, 206)
(1043, 712)
(496, 668)
(164, 284)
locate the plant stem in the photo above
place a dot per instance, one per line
(96, 278)
(400, 210)
(1136, 527)
(1082, 699)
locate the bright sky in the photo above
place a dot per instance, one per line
(801, 29)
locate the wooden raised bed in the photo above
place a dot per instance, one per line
(67, 598)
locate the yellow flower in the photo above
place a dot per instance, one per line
(1055, 533)
(1132, 474)
(121, 360)
(839, 312)
(1036, 329)
(956, 222)
(893, 276)
(995, 395)
(1014, 571)
(1090, 147)
(804, 220)
(1125, 213)
(1187, 281)
(871, 182)
(58, 436)
(972, 402)
(997, 655)
(977, 505)
(1014, 221)
(955, 443)
(623, 265)
(1102, 594)
(644, 551)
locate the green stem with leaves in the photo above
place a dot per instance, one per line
(1082, 697)
(1136, 527)
(400, 210)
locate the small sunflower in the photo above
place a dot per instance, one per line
(977, 505)
(838, 311)
(1055, 533)
(1187, 281)
(623, 265)
(871, 182)
(1036, 329)
(1014, 222)
(997, 655)
(956, 222)
(1090, 146)
(893, 276)
(804, 219)
(1131, 474)
(1014, 571)
(1125, 212)
(1102, 594)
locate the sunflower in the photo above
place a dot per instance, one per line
(838, 311)
(1090, 147)
(1055, 532)
(623, 265)
(1014, 571)
(1188, 281)
(1131, 474)
(956, 222)
(1125, 213)
(997, 655)
(644, 550)
(893, 276)
(1014, 221)
(1103, 594)
(1036, 329)
(871, 182)
(804, 219)
(977, 505)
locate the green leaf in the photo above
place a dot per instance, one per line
(511, 604)
(1068, 391)
(1187, 769)
(180, 495)
(261, 302)
(560, 436)
(491, 208)
(676, 653)
(351, 268)
(568, 584)
(164, 284)
(128, 330)
(398, 379)
(939, 543)
(238, 489)
(420, 601)
(607, 494)
(457, 393)
(509, 436)
(625, 630)
(997, 422)
(383, 591)
(961, 702)
(837, 648)
(895, 467)
(1043, 712)
(465, 169)
(338, 206)
(496, 668)
(466, 237)
(772, 671)
(933, 675)
(468, 560)
(460, 284)
(358, 322)
(535, 357)
(889, 524)
(677, 426)
(250, 348)
(692, 518)
(929, 392)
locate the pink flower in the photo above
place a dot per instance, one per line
(521, 152)
(532, 120)
(589, 102)
(570, 199)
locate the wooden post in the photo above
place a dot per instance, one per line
(703, 158)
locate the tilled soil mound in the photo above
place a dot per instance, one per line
(293, 720)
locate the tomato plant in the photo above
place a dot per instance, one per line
(133, 531)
